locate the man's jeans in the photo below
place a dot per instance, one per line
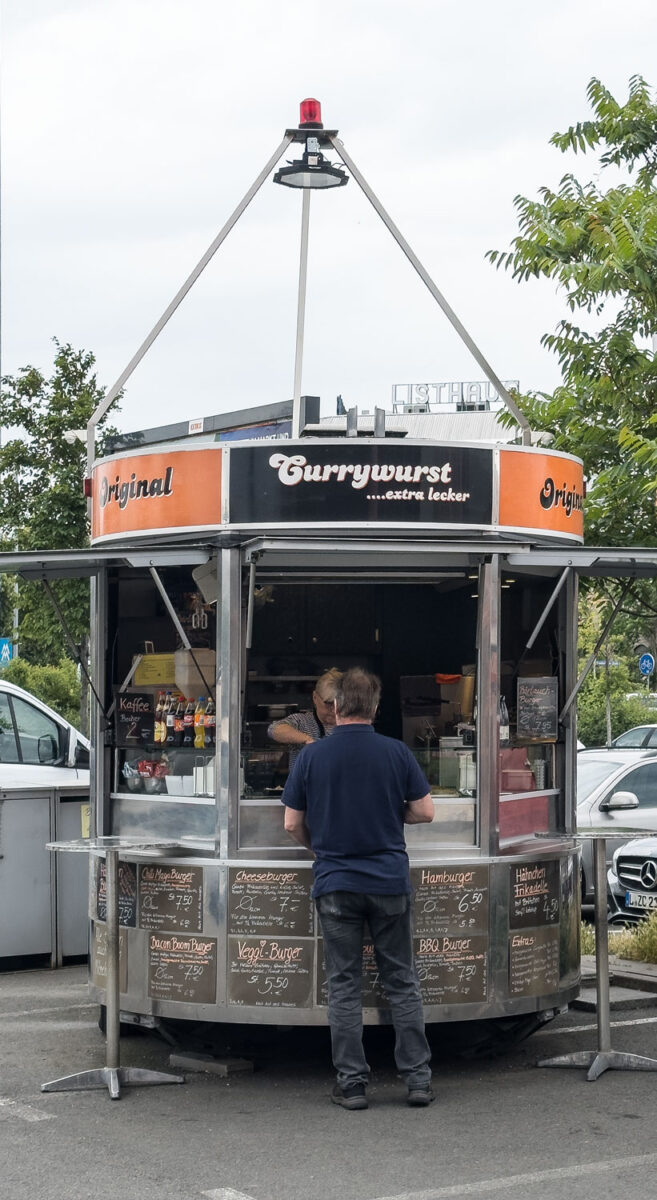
(342, 917)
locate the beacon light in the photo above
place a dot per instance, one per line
(310, 114)
(86, 488)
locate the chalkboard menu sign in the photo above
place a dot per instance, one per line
(182, 967)
(450, 899)
(533, 962)
(127, 893)
(171, 897)
(373, 995)
(135, 718)
(538, 709)
(269, 973)
(534, 895)
(452, 968)
(270, 901)
(99, 957)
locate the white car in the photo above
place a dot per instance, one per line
(616, 791)
(38, 748)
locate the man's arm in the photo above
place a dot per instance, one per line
(295, 825)
(417, 812)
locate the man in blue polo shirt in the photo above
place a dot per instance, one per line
(347, 799)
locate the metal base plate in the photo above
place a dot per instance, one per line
(110, 1077)
(599, 1061)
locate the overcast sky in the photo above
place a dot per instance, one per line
(132, 128)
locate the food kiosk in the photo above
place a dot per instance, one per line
(239, 573)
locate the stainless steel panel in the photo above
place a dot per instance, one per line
(26, 892)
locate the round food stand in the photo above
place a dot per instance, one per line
(240, 573)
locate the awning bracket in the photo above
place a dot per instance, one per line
(592, 657)
(71, 644)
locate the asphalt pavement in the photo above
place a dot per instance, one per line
(500, 1126)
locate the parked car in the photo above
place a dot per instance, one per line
(639, 738)
(632, 881)
(38, 748)
(616, 789)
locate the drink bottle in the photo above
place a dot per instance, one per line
(504, 723)
(178, 723)
(210, 724)
(199, 724)
(188, 723)
(157, 731)
(170, 721)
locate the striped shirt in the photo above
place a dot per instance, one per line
(306, 722)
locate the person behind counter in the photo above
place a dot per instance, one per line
(300, 729)
(348, 799)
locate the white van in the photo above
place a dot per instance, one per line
(38, 748)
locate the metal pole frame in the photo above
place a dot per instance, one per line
(301, 313)
(435, 292)
(116, 387)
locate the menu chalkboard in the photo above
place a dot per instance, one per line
(449, 899)
(135, 718)
(182, 967)
(127, 893)
(538, 709)
(534, 894)
(453, 969)
(265, 972)
(533, 962)
(99, 957)
(270, 901)
(373, 995)
(171, 897)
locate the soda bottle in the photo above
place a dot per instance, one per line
(179, 721)
(170, 720)
(504, 723)
(157, 731)
(210, 724)
(199, 724)
(188, 723)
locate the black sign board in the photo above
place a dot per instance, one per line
(269, 973)
(538, 709)
(270, 901)
(99, 957)
(450, 899)
(307, 483)
(533, 962)
(127, 893)
(171, 897)
(134, 715)
(534, 894)
(452, 968)
(373, 995)
(182, 967)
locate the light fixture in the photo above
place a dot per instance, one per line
(312, 170)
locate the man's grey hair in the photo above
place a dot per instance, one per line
(358, 694)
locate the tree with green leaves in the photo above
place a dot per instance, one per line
(42, 505)
(599, 246)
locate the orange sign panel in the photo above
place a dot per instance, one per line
(541, 491)
(175, 489)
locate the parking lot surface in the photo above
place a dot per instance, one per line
(500, 1126)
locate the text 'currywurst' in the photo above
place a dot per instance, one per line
(295, 468)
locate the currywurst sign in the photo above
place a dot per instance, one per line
(310, 483)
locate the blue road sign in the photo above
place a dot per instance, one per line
(6, 651)
(646, 664)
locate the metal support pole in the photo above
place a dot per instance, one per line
(301, 313)
(112, 1019)
(601, 944)
(435, 292)
(544, 615)
(113, 392)
(591, 659)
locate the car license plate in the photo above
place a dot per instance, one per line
(640, 900)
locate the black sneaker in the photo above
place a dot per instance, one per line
(353, 1096)
(420, 1097)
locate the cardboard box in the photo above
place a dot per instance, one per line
(187, 676)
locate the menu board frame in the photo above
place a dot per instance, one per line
(537, 708)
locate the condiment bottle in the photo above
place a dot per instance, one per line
(199, 724)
